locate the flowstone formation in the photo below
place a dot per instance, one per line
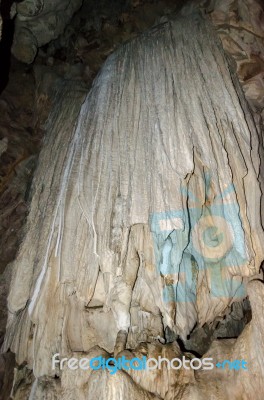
(145, 217)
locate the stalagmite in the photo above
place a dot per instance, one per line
(145, 216)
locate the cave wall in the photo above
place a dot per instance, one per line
(77, 282)
(240, 27)
(38, 22)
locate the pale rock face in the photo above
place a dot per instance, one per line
(167, 383)
(145, 215)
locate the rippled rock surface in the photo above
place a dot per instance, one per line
(145, 213)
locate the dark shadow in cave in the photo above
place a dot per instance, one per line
(200, 338)
(8, 26)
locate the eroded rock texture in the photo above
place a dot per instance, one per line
(168, 384)
(183, 384)
(38, 22)
(241, 28)
(145, 214)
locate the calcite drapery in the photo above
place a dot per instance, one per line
(146, 208)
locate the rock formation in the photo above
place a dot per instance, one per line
(240, 26)
(145, 217)
(38, 22)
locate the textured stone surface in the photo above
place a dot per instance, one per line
(226, 384)
(38, 22)
(216, 384)
(240, 25)
(164, 147)
(41, 21)
(20, 135)
(78, 54)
